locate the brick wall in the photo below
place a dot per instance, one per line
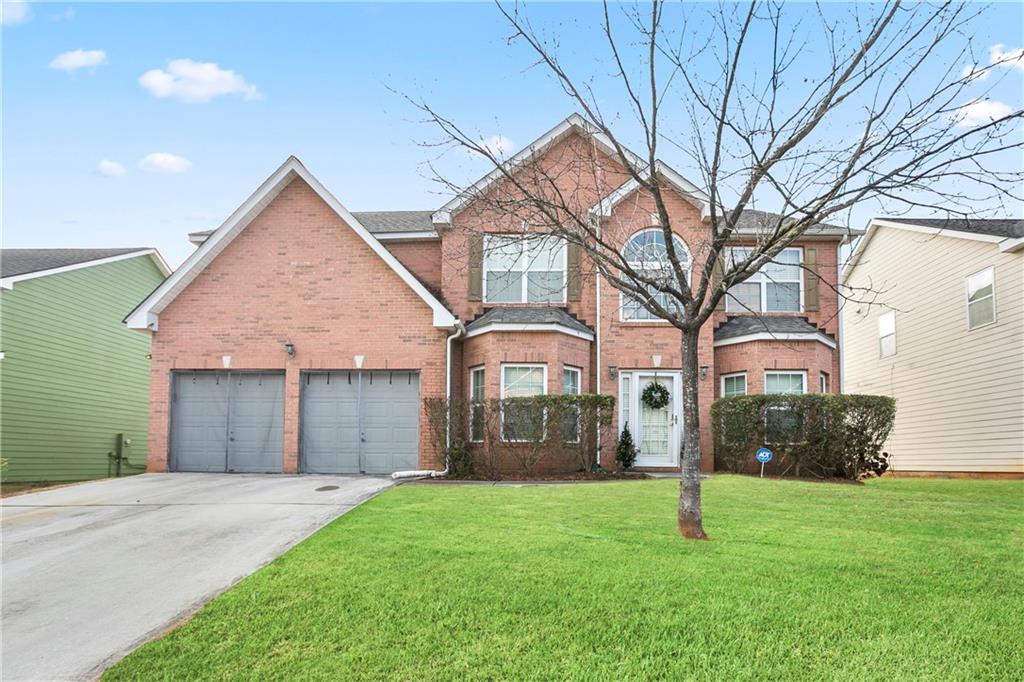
(296, 274)
(423, 259)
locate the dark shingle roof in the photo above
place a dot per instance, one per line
(523, 315)
(744, 325)
(23, 261)
(1011, 228)
(395, 221)
(753, 221)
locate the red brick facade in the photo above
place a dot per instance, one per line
(299, 274)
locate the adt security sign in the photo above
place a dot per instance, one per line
(763, 455)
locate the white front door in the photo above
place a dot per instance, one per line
(656, 432)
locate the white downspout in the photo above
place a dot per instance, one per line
(597, 337)
(460, 329)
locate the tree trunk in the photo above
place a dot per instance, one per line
(690, 521)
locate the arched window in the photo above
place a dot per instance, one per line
(646, 253)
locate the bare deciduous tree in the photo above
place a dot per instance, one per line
(885, 112)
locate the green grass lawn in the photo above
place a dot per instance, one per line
(898, 579)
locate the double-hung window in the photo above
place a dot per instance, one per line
(524, 269)
(571, 386)
(476, 404)
(776, 288)
(981, 298)
(887, 334)
(522, 422)
(781, 420)
(734, 384)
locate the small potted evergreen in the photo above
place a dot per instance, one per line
(625, 450)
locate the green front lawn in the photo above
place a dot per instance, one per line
(895, 580)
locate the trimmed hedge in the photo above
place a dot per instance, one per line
(816, 434)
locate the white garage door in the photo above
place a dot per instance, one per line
(359, 422)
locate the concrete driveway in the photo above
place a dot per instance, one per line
(93, 570)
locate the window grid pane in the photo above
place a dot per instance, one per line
(524, 269)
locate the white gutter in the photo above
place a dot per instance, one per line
(460, 329)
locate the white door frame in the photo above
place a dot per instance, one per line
(675, 435)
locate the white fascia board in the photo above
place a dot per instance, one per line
(1011, 244)
(146, 315)
(400, 236)
(443, 215)
(530, 327)
(161, 264)
(768, 336)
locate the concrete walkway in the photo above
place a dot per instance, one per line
(91, 571)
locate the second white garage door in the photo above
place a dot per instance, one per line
(359, 422)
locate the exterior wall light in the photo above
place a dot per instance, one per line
(613, 371)
(289, 348)
(703, 371)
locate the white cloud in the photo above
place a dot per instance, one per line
(971, 72)
(998, 54)
(192, 81)
(980, 112)
(110, 168)
(66, 15)
(14, 12)
(162, 162)
(78, 59)
(498, 145)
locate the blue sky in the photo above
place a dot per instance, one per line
(312, 80)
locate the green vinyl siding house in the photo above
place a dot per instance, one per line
(74, 381)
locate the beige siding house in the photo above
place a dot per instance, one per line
(945, 337)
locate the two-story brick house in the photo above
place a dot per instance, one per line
(302, 337)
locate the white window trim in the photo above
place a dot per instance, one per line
(967, 298)
(579, 391)
(523, 240)
(771, 372)
(895, 346)
(622, 295)
(721, 389)
(472, 404)
(733, 307)
(521, 365)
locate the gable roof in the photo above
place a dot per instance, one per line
(687, 189)
(382, 224)
(146, 314)
(21, 264)
(574, 122)
(1005, 233)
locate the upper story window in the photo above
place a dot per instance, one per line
(524, 269)
(647, 253)
(981, 298)
(778, 287)
(887, 334)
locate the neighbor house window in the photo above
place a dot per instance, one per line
(647, 254)
(524, 269)
(476, 404)
(522, 422)
(571, 386)
(822, 382)
(776, 288)
(778, 419)
(887, 334)
(981, 298)
(734, 384)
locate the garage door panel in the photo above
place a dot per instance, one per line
(227, 421)
(385, 405)
(329, 423)
(256, 425)
(199, 439)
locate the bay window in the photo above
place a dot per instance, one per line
(776, 288)
(571, 377)
(524, 269)
(522, 422)
(734, 384)
(476, 404)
